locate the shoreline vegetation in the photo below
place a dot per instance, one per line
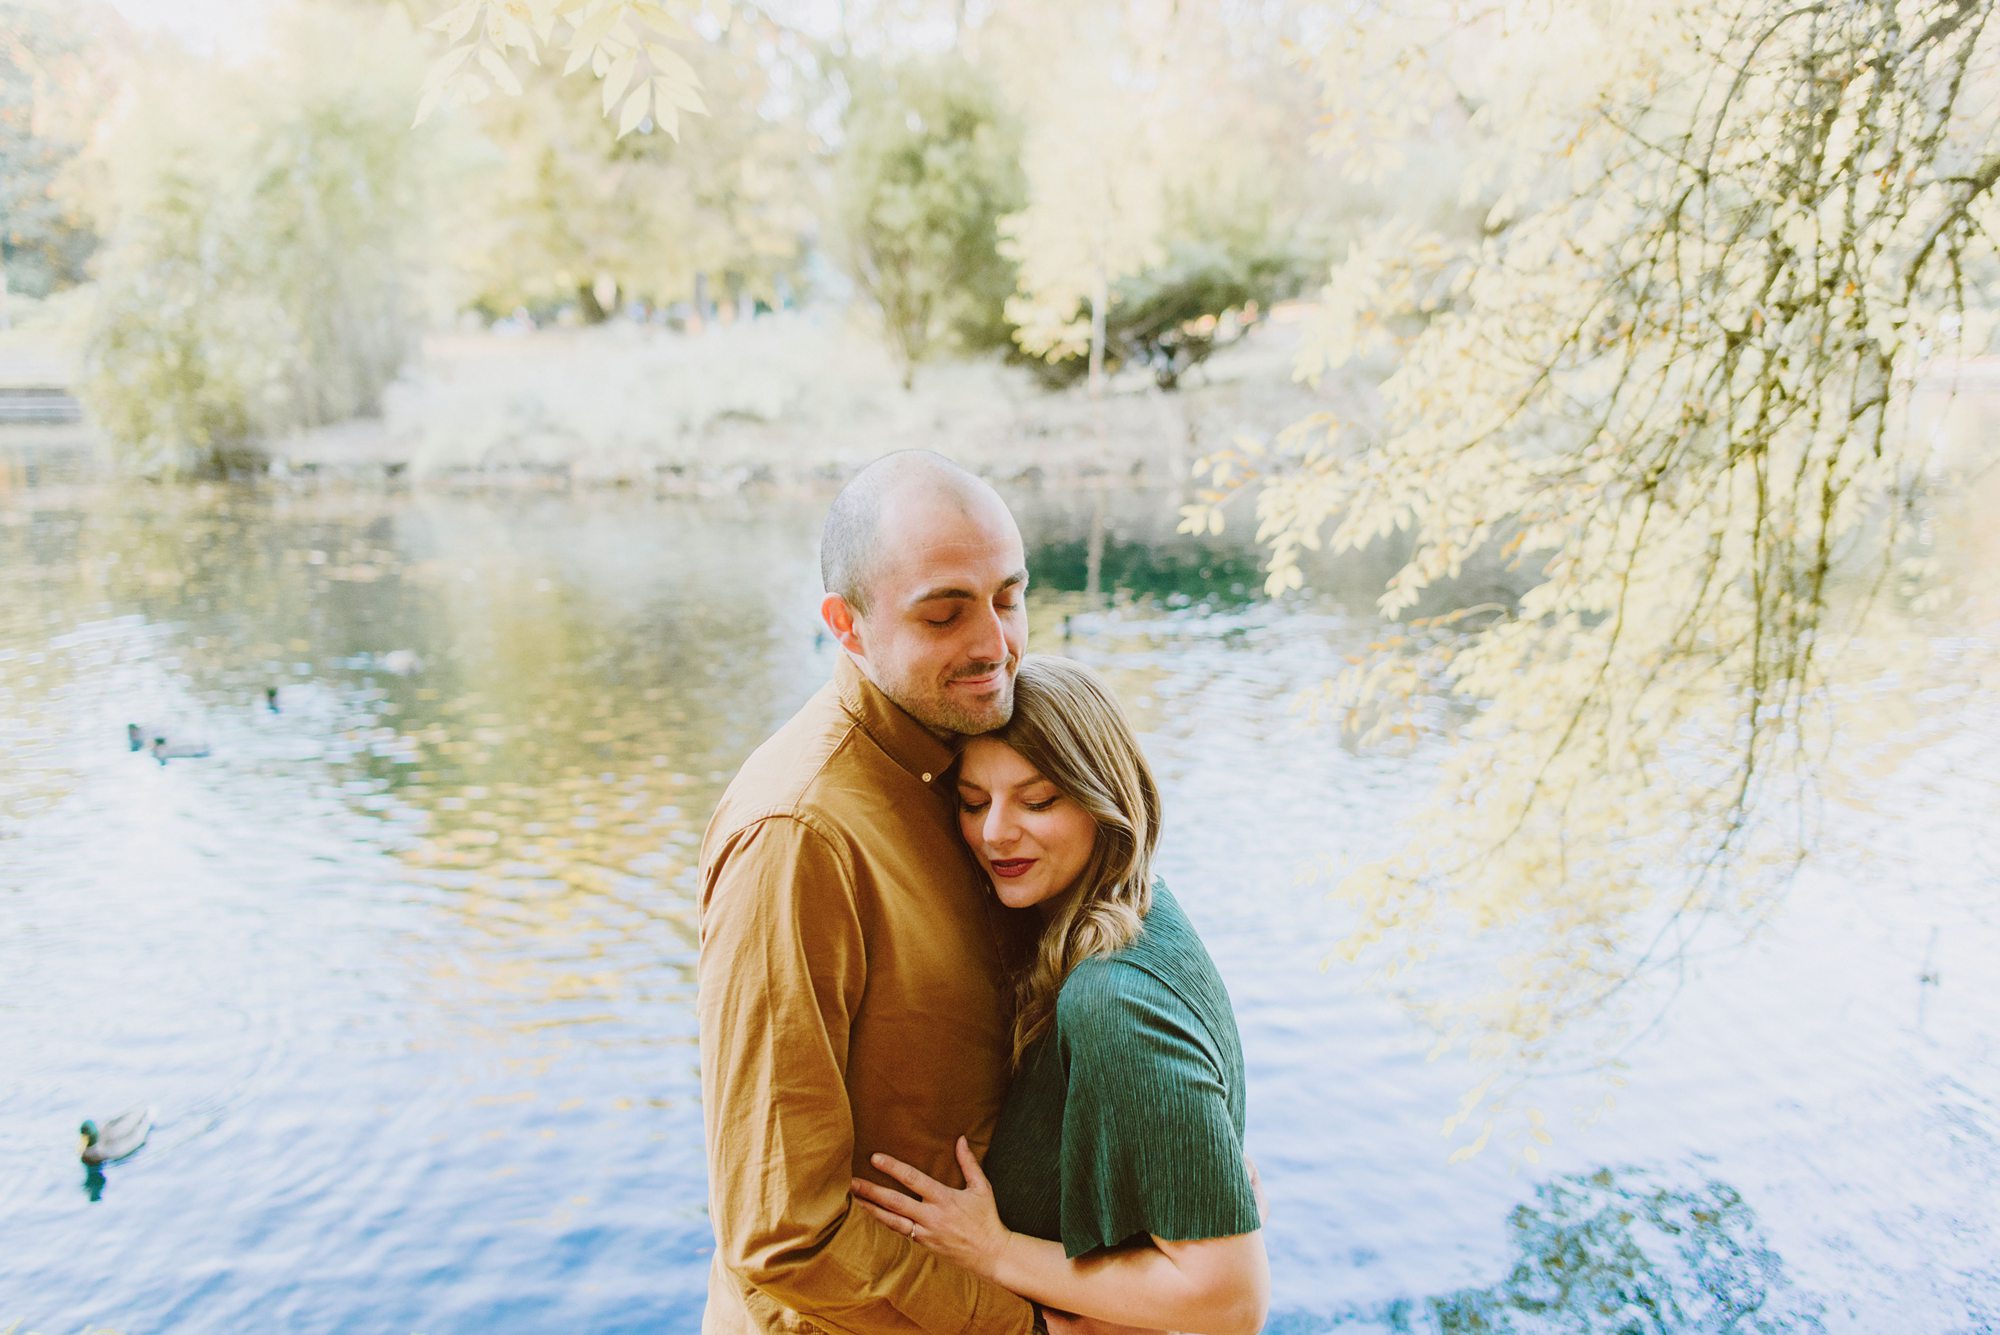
(788, 400)
(798, 400)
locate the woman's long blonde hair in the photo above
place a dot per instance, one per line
(1069, 726)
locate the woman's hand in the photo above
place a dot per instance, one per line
(962, 1226)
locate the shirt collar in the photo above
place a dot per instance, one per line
(909, 743)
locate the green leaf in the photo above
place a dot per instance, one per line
(503, 76)
(684, 97)
(659, 19)
(427, 104)
(619, 79)
(515, 33)
(590, 33)
(672, 64)
(635, 110)
(455, 23)
(447, 65)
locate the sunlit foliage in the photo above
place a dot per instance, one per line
(1667, 382)
(263, 223)
(1164, 152)
(1162, 164)
(560, 204)
(633, 48)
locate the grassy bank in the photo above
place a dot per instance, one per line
(784, 399)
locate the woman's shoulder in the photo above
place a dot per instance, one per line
(1104, 985)
(1163, 974)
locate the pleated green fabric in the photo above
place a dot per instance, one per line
(1126, 1117)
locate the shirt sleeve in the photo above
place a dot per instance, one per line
(782, 968)
(1149, 1145)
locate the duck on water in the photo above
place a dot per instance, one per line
(119, 1138)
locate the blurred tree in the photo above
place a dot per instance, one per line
(1166, 171)
(573, 206)
(53, 78)
(928, 167)
(1673, 369)
(1096, 188)
(262, 227)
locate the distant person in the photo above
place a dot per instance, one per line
(852, 967)
(1116, 1185)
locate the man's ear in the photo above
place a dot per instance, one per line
(841, 623)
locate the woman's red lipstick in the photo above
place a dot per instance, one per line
(1010, 866)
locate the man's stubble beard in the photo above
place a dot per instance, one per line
(943, 714)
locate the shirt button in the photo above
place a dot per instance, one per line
(927, 776)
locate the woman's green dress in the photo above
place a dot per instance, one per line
(1126, 1117)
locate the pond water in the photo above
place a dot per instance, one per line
(405, 968)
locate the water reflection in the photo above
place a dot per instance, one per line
(406, 964)
(547, 754)
(1626, 1251)
(1615, 1250)
(538, 714)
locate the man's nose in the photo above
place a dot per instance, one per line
(991, 645)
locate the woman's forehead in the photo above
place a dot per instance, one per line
(989, 763)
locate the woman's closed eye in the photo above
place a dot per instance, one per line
(969, 804)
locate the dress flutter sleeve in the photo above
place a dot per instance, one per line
(1152, 1137)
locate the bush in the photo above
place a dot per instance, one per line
(1170, 317)
(930, 165)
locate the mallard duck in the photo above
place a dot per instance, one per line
(156, 736)
(119, 1137)
(165, 749)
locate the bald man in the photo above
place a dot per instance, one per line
(852, 964)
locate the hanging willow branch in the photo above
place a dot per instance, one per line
(1673, 382)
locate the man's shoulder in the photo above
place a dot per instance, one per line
(805, 773)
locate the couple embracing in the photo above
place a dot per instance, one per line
(931, 936)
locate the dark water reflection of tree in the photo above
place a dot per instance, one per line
(1618, 1250)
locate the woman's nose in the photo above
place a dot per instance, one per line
(1000, 827)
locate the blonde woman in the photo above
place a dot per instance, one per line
(1116, 1187)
